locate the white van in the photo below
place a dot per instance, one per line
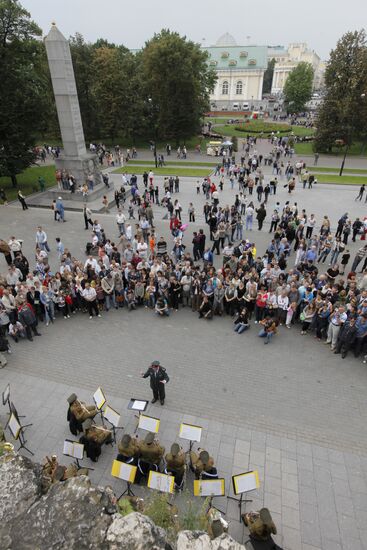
(235, 107)
(245, 106)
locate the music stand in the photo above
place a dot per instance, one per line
(127, 472)
(75, 450)
(113, 418)
(242, 483)
(139, 405)
(210, 488)
(149, 423)
(99, 400)
(190, 432)
(16, 431)
(164, 483)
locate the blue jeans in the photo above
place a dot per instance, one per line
(50, 312)
(240, 327)
(249, 223)
(121, 227)
(110, 299)
(266, 335)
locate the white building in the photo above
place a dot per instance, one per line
(287, 60)
(240, 71)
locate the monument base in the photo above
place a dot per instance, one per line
(81, 167)
(77, 197)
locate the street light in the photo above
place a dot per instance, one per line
(348, 144)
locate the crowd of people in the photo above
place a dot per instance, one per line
(281, 287)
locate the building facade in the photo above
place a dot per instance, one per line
(287, 60)
(240, 71)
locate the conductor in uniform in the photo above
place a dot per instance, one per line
(158, 378)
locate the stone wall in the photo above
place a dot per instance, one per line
(75, 515)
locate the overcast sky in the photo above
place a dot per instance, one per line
(318, 22)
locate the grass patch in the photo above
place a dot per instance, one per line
(254, 128)
(342, 180)
(318, 169)
(166, 171)
(304, 148)
(28, 181)
(178, 162)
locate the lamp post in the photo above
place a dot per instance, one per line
(348, 143)
(155, 130)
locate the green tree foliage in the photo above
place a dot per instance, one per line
(177, 80)
(268, 77)
(23, 105)
(343, 114)
(298, 87)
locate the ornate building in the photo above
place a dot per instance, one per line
(240, 71)
(287, 60)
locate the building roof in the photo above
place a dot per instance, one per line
(226, 40)
(237, 57)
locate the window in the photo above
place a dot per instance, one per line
(239, 88)
(225, 88)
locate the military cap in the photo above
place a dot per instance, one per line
(204, 457)
(87, 424)
(125, 441)
(73, 397)
(155, 364)
(175, 449)
(265, 517)
(149, 438)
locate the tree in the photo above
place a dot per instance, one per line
(342, 117)
(268, 77)
(22, 83)
(177, 82)
(298, 87)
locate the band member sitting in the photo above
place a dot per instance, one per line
(78, 412)
(93, 439)
(129, 450)
(203, 465)
(52, 472)
(151, 453)
(260, 524)
(176, 465)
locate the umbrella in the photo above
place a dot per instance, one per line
(184, 227)
(227, 143)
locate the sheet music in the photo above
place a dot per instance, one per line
(124, 471)
(246, 482)
(148, 423)
(139, 405)
(112, 416)
(99, 398)
(209, 487)
(74, 449)
(14, 426)
(190, 432)
(161, 482)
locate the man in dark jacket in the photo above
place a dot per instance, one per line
(346, 337)
(158, 379)
(28, 319)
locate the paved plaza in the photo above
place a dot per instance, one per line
(292, 410)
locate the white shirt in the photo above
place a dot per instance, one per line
(15, 245)
(89, 294)
(120, 218)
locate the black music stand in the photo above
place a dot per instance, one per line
(242, 483)
(139, 405)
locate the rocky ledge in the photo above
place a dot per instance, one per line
(75, 515)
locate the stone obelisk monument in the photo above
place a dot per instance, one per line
(75, 159)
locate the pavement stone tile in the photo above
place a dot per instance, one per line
(273, 485)
(272, 454)
(307, 495)
(292, 539)
(309, 547)
(310, 533)
(306, 478)
(242, 446)
(322, 475)
(344, 506)
(304, 449)
(273, 441)
(273, 502)
(290, 517)
(226, 449)
(309, 513)
(330, 545)
(241, 460)
(290, 498)
(305, 462)
(341, 488)
(257, 457)
(290, 481)
(357, 484)
(287, 444)
(339, 471)
(360, 501)
(273, 469)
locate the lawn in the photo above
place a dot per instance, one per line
(27, 181)
(319, 169)
(178, 162)
(341, 180)
(230, 130)
(166, 171)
